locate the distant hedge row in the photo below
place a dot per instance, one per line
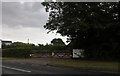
(17, 52)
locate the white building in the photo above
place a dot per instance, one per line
(6, 42)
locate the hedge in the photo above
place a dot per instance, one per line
(17, 52)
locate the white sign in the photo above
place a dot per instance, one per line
(77, 53)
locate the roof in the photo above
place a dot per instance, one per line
(6, 41)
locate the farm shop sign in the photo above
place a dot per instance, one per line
(78, 53)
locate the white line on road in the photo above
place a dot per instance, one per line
(15, 69)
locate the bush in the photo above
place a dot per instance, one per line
(18, 52)
(102, 54)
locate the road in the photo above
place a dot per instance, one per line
(24, 69)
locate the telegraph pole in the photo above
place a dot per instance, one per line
(28, 41)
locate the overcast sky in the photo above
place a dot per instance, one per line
(23, 20)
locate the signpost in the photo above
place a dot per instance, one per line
(78, 53)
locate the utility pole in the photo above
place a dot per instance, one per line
(28, 41)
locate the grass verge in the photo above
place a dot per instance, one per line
(85, 64)
(11, 58)
(82, 64)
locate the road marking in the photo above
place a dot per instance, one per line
(15, 69)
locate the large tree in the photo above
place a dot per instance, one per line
(89, 25)
(57, 41)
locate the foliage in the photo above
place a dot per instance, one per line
(93, 26)
(16, 47)
(50, 48)
(20, 44)
(57, 42)
(57, 45)
(16, 52)
(17, 44)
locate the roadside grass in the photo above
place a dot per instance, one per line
(73, 63)
(85, 64)
(10, 58)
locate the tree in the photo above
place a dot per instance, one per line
(90, 26)
(57, 45)
(40, 45)
(57, 42)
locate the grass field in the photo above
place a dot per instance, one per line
(85, 64)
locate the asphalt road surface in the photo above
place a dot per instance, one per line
(17, 69)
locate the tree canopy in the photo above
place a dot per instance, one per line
(57, 41)
(89, 25)
(68, 18)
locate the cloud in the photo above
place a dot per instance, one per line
(0, 20)
(21, 1)
(21, 21)
(36, 35)
(29, 14)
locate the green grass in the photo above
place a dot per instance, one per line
(85, 64)
(10, 58)
(0, 58)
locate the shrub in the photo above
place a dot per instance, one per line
(18, 52)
